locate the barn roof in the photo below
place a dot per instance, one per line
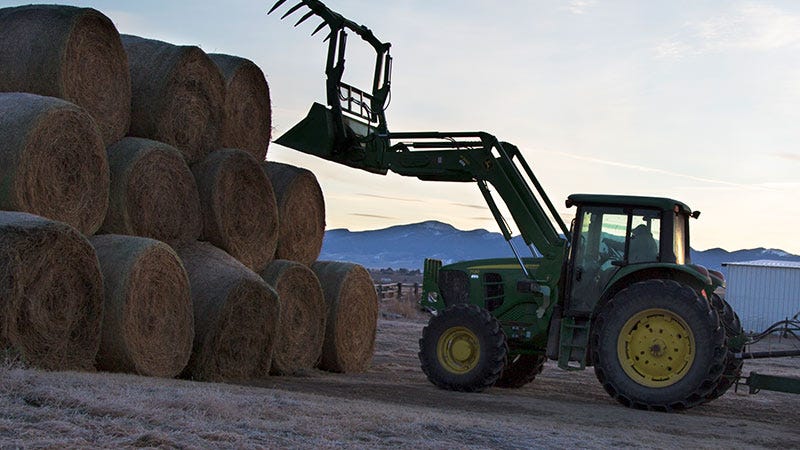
(766, 263)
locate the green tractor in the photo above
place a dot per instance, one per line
(617, 291)
(623, 298)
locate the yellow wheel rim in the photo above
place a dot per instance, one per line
(458, 350)
(656, 348)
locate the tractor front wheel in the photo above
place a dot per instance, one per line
(463, 348)
(658, 345)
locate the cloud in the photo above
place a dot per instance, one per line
(373, 216)
(747, 26)
(386, 197)
(465, 205)
(580, 6)
(762, 187)
(787, 155)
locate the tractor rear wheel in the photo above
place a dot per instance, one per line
(658, 345)
(521, 370)
(463, 348)
(734, 341)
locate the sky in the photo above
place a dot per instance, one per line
(693, 100)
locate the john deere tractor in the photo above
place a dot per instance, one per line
(617, 291)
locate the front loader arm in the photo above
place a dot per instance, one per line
(482, 158)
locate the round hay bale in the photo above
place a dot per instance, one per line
(235, 316)
(148, 325)
(153, 192)
(352, 316)
(52, 161)
(301, 208)
(301, 327)
(71, 53)
(247, 115)
(177, 96)
(238, 207)
(51, 293)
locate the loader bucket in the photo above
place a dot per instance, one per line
(315, 135)
(312, 135)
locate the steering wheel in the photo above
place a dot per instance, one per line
(612, 252)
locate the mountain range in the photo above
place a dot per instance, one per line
(406, 246)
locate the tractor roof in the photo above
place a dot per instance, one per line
(666, 204)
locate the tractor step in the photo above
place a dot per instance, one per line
(573, 343)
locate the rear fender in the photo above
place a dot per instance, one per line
(634, 273)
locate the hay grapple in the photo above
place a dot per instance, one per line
(616, 290)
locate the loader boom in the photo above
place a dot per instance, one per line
(352, 130)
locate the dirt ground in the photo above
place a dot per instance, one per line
(390, 406)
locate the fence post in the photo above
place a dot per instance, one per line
(416, 290)
(399, 291)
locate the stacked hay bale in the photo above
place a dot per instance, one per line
(352, 306)
(238, 207)
(70, 53)
(148, 326)
(52, 161)
(190, 175)
(301, 208)
(177, 96)
(153, 193)
(247, 114)
(51, 293)
(301, 326)
(236, 315)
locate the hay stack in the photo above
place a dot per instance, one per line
(235, 316)
(71, 53)
(247, 115)
(153, 192)
(301, 328)
(177, 96)
(301, 208)
(238, 207)
(352, 316)
(148, 326)
(51, 293)
(52, 161)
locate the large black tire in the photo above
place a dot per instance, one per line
(734, 342)
(463, 348)
(658, 345)
(521, 370)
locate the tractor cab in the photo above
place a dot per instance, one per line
(614, 235)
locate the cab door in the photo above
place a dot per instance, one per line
(605, 240)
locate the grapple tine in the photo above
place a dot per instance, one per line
(320, 27)
(292, 9)
(303, 19)
(276, 6)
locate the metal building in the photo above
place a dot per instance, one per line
(763, 292)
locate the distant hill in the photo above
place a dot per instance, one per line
(406, 246)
